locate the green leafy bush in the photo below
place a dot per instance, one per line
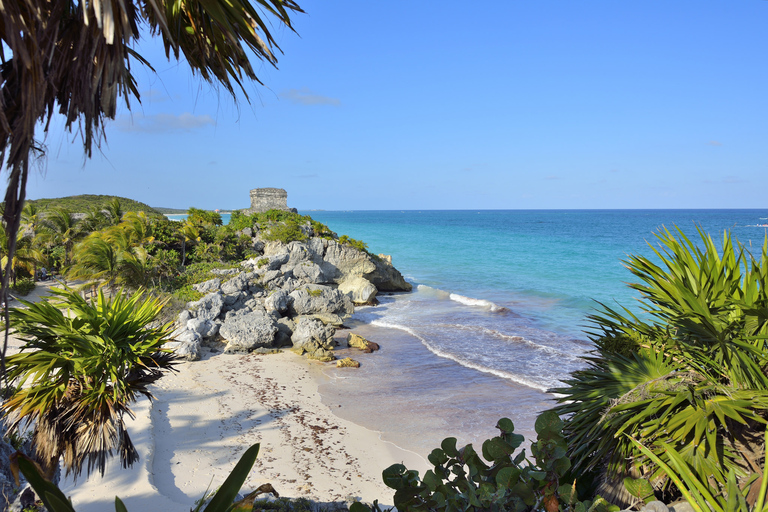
(687, 378)
(285, 232)
(500, 480)
(262, 262)
(23, 285)
(357, 244)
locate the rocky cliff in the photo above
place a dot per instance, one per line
(293, 295)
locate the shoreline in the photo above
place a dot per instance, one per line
(208, 413)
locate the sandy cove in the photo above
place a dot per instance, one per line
(206, 415)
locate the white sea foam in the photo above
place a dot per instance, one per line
(460, 360)
(469, 301)
(433, 292)
(513, 338)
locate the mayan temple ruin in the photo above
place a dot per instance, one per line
(263, 199)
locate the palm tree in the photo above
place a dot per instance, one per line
(82, 366)
(26, 256)
(60, 227)
(138, 227)
(687, 378)
(114, 211)
(189, 233)
(97, 258)
(74, 58)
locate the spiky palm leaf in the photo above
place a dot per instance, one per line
(74, 58)
(81, 367)
(697, 360)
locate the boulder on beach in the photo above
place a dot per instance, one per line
(347, 362)
(359, 290)
(246, 330)
(360, 343)
(312, 337)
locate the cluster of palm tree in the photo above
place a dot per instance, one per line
(684, 384)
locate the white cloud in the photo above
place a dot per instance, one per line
(157, 123)
(304, 96)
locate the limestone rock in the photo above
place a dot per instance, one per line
(386, 277)
(207, 308)
(320, 299)
(277, 301)
(322, 355)
(205, 328)
(224, 271)
(285, 327)
(208, 286)
(360, 343)
(185, 343)
(247, 330)
(327, 318)
(308, 272)
(347, 362)
(237, 283)
(311, 336)
(341, 261)
(359, 290)
(183, 318)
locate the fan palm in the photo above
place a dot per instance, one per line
(60, 227)
(81, 367)
(74, 58)
(691, 375)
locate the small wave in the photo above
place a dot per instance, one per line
(469, 301)
(463, 362)
(512, 338)
(435, 292)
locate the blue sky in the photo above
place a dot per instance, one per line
(457, 105)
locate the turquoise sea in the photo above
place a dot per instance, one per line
(498, 310)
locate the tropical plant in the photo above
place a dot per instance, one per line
(188, 234)
(74, 58)
(82, 365)
(200, 217)
(114, 210)
(688, 377)
(25, 258)
(499, 480)
(222, 500)
(60, 227)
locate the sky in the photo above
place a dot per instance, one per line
(522, 104)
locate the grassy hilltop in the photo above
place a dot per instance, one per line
(86, 202)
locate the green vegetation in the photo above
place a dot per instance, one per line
(87, 202)
(222, 500)
(83, 363)
(680, 395)
(357, 244)
(499, 480)
(262, 262)
(23, 286)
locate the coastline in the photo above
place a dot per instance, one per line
(210, 411)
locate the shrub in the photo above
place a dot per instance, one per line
(463, 480)
(285, 232)
(262, 262)
(357, 244)
(687, 378)
(23, 286)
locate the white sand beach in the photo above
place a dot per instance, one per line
(209, 412)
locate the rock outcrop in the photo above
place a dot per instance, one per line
(291, 295)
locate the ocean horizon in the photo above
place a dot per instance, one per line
(498, 313)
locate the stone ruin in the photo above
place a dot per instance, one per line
(263, 199)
